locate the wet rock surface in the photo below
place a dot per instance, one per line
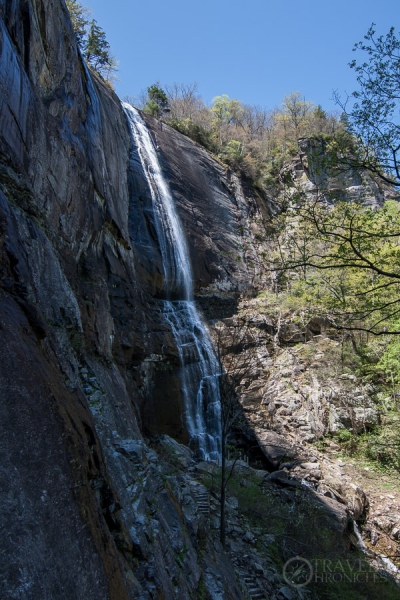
(100, 496)
(89, 363)
(219, 213)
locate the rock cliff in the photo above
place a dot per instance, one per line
(100, 497)
(89, 365)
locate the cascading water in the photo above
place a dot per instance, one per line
(199, 366)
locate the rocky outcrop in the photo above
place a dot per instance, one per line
(336, 183)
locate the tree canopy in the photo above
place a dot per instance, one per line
(157, 103)
(92, 41)
(344, 261)
(343, 255)
(250, 139)
(374, 117)
(79, 17)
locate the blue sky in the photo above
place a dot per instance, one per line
(254, 50)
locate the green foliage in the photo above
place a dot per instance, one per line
(251, 140)
(97, 47)
(343, 262)
(157, 104)
(252, 501)
(195, 131)
(379, 448)
(202, 590)
(382, 446)
(388, 365)
(343, 435)
(92, 41)
(232, 154)
(296, 110)
(375, 115)
(226, 110)
(319, 113)
(79, 17)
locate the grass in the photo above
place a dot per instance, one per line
(379, 448)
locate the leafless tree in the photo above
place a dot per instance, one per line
(138, 101)
(184, 100)
(236, 353)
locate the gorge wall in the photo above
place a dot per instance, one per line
(89, 364)
(91, 406)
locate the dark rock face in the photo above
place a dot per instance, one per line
(89, 366)
(45, 530)
(88, 362)
(217, 216)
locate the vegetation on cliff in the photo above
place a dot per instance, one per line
(92, 41)
(252, 140)
(374, 117)
(337, 256)
(334, 258)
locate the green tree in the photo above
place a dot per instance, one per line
(319, 113)
(226, 110)
(374, 117)
(92, 41)
(344, 255)
(389, 364)
(79, 17)
(296, 109)
(97, 52)
(344, 261)
(157, 104)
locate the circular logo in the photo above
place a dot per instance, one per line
(298, 572)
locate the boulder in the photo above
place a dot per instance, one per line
(182, 454)
(275, 447)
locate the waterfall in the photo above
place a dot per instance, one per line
(199, 365)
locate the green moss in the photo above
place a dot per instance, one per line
(76, 341)
(201, 592)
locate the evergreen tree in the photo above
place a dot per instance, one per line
(320, 113)
(157, 104)
(80, 22)
(97, 51)
(92, 41)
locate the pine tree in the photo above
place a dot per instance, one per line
(80, 22)
(92, 41)
(157, 104)
(97, 53)
(97, 49)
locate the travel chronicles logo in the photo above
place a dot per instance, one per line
(299, 572)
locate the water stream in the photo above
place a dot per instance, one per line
(199, 366)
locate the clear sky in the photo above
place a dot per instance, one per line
(254, 50)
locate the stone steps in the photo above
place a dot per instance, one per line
(203, 502)
(252, 587)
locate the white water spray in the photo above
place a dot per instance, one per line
(199, 366)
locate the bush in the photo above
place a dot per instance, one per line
(195, 132)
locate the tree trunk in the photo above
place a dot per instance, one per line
(223, 468)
